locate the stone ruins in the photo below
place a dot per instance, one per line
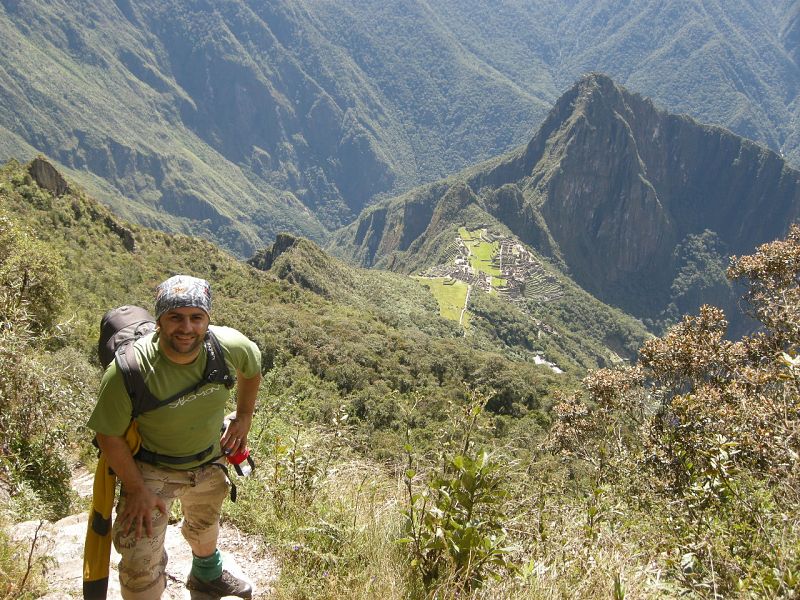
(525, 277)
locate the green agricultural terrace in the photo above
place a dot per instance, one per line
(481, 254)
(451, 295)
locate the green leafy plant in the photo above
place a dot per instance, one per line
(455, 518)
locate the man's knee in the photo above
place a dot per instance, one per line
(143, 579)
(202, 506)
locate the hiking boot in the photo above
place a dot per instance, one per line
(224, 585)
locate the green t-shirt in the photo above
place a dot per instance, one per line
(193, 422)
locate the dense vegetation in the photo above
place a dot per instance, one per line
(225, 119)
(702, 435)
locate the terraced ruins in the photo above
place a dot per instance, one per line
(495, 264)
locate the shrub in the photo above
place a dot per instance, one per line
(30, 279)
(714, 427)
(455, 517)
(39, 390)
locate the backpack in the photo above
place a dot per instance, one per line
(122, 326)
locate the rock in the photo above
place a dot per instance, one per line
(265, 258)
(82, 482)
(63, 541)
(125, 234)
(46, 176)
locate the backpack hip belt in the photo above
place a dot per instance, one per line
(154, 458)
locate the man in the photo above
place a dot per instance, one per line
(182, 441)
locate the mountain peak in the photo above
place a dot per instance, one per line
(596, 83)
(266, 257)
(594, 88)
(610, 186)
(593, 95)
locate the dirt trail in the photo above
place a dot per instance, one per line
(63, 543)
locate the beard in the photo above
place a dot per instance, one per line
(181, 347)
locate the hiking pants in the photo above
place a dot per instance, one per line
(201, 491)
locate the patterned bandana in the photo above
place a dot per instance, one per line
(183, 290)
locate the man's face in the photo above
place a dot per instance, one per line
(182, 331)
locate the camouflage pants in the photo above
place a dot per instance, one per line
(201, 492)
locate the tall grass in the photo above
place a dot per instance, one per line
(335, 539)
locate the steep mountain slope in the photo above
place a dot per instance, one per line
(228, 119)
(337, 332)
(239, 119)
(639, 206)
(724, 63)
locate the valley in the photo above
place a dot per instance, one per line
(524, 278)
(239, 121)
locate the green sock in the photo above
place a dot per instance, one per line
(207, 568)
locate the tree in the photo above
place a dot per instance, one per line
(31, 282)
(710, 428)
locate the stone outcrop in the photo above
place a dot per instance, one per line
(125, 234)
(265, 258)
(47, 177)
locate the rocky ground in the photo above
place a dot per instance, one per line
(62, 543)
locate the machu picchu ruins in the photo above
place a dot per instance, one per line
(521, 276)
(511, 271)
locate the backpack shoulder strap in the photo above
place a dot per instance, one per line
(143, 400)
(216, 370)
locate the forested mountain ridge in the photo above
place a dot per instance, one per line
(283, 301)
(639, 206)
(239, 119)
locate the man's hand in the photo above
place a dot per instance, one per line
(234, 438)
(139, 504)
(139, 500)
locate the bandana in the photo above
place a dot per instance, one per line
(181, 291)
